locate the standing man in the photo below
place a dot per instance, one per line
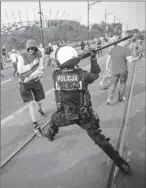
(73, 100)
(82, 45)
(119, 56)
(42, 50)
(4, 54)
(2, 75)
(30, 69)
(99, 46)
(14, 59)
(48, 51)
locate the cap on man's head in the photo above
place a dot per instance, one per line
(31, 44)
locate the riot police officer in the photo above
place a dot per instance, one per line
(73, 100)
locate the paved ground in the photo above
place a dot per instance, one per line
(134, 146)
(72, 160)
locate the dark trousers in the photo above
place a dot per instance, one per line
(2, 66)
(82, 47)
(91, 125)
(15, 70)
(88, 123)
(122, 77)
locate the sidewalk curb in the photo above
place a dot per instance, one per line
(120, 143)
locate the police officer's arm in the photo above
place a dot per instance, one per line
(22, 68)
(94, 71)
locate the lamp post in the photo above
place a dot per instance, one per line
(42, 36)
(88, 10)
(106, 14)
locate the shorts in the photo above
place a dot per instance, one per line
(32, 91)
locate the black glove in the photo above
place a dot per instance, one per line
(140, 55)
(93, 54)
(84, 55)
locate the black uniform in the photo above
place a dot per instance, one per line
(74, 106)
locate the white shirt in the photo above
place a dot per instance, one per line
(14, 57)
(22, 68)
(42, 51)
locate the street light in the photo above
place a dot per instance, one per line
(90, 4)
(106, 14)
(41, 23)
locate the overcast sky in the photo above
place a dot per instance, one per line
(125, 12)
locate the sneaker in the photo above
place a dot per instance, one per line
(109, 102)
(38, 130)
(122, 99)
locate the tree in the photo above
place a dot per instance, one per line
(72, 31)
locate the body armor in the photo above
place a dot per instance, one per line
(71, 92)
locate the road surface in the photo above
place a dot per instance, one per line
(72, 160)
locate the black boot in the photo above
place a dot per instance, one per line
(50, 134)
(52, 131)
(104, 144)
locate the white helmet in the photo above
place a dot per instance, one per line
(66, 56)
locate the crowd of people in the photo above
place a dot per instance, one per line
(48, 52)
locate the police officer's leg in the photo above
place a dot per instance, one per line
(53, 126)
(57, 120)
(94, 131)
(104, 144)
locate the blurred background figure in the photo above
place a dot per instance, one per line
(14, 60)
(2, 63)
(2, 75)
(98, 46)
(48, 51)
(140, 42)
(4, 55)
(42, 50)
(82, 45)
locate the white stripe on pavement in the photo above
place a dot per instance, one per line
(26, 106)
(6, 81)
